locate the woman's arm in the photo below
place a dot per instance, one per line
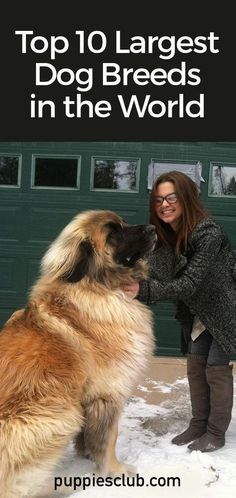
(205, 249)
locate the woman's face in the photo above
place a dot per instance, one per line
(170, 210)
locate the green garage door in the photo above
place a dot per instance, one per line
(43, 185)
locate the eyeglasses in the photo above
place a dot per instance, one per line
(170, 198)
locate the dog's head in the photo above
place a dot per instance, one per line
(96, 243)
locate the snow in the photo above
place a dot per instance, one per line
(144, 441)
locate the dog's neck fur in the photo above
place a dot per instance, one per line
(96, 297)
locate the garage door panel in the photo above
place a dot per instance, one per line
(46, 223)
(10, 224)
(167, 336)
(229, 224)
(8, 270)
(5, 313)
(13, 284)
(33, 271)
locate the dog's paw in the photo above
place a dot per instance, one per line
(126, 470)
(118, 469)
(131, 470)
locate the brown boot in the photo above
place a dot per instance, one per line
(220, 380)
(200, 399)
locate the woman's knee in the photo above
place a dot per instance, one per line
(202, 344)
(217, 356)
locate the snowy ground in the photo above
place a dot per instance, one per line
(144, 441)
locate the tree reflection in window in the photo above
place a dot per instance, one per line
(113, 174)
(223, 180)
(9, 170)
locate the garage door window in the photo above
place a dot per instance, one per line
(118, 175)
(222, 181)
(10, 171)
(55, 172)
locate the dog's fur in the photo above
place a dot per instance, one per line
(70, 359)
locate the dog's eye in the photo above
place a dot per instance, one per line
(115, 232)
(113, 227)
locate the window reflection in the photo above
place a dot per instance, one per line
(9, 166)
(112, 174)
(222, 180)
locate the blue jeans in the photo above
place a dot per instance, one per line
(207, 346)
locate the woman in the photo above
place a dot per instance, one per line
(194, 265)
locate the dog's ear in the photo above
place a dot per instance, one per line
(83, 264)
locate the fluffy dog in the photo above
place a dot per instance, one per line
(69, 360)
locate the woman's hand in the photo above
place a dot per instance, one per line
(131, 290)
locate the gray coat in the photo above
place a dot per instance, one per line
(202, 281)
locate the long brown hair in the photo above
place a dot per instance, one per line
(193, 210)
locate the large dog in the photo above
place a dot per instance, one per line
(70, 359)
